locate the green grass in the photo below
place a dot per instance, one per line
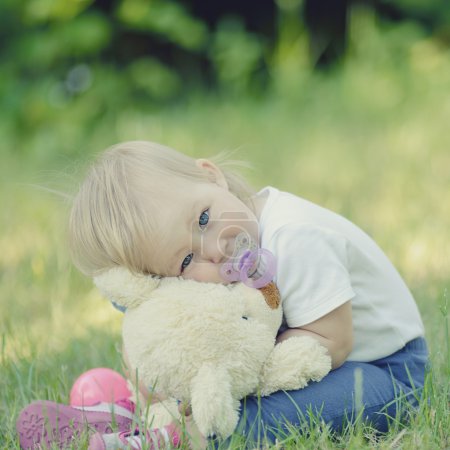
(369, 141)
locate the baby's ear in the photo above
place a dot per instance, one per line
(125, 288)
(214, 172)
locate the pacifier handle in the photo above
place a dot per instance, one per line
(248, 262)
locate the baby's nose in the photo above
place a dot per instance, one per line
(219, 254)
(214, 250)
(216, 259)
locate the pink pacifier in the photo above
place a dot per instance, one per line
(254, 266)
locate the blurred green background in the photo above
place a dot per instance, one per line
(346, 103)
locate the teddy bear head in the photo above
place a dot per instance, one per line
(131, 290)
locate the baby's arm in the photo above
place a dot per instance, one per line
(334, 331)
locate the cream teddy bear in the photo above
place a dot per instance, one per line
(209, 344)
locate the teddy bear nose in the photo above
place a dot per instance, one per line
(245, 317)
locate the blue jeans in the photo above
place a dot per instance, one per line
(374, 389)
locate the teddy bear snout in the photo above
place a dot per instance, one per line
(271, 294)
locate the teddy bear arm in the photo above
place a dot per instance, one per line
(214, 409)
(293, 363)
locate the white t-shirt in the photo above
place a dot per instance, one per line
(324, 260)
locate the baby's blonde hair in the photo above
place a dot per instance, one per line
(111, 223)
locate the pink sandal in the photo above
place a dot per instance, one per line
(46, 423)
(157, 438)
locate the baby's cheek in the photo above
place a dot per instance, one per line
(205, 272)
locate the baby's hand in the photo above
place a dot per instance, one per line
(293, 363)
(184, 409)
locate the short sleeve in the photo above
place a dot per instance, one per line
(312, 272)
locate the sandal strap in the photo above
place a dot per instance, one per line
(158, 437)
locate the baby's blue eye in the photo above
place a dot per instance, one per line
(204, 218)
(186, 261)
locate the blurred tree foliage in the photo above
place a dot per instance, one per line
(150, 52)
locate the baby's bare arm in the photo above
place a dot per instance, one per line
(334, 331)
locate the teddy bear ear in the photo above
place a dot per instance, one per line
(125, 288)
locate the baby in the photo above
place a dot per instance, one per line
(156, 211)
